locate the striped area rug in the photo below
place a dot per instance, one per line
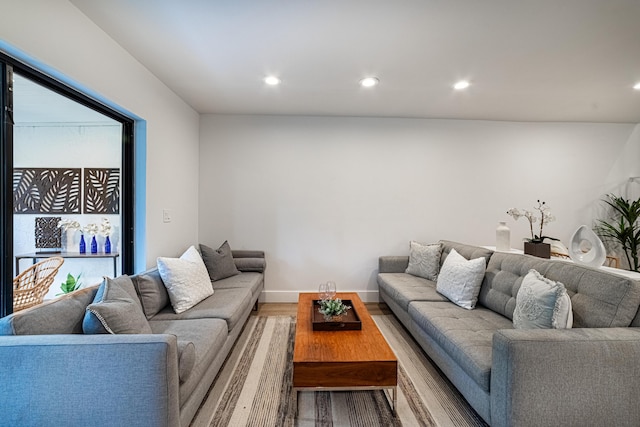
(254, 386)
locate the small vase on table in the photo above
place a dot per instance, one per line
(503, 237)
(94, 245)
(107, 245)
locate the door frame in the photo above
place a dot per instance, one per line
(8, 66)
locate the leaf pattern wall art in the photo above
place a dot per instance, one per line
(101, 190)
(46, 190)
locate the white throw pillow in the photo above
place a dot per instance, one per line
(424, 260)
(186, 279)
(542, 303)
(460, 279)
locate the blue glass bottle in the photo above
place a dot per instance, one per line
(107, 245)
(94, 245)
(83, 245)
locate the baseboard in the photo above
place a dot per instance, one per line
(292, 296)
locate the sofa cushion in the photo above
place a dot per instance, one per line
(404, 288)
(219, 262)
(63, 315)
(186, 279)
(151, 291)
(599, 298)
(465, 335)
(115, 309)
(542, 304)
(460, 279)
(424, 260)
(226, 304)
(251, 281)
(208, 337)
(467, 251)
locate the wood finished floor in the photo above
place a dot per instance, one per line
(290, 309)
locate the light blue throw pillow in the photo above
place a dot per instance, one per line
(542, 304)
(460, 279)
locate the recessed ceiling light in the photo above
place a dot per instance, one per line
(462, 84)
(272, 80)
(369, 82)
(637, 86)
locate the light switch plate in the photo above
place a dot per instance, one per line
(166, 215)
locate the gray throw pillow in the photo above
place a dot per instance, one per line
(424, 260)
(115, 310)
(151, 291)
(219, 262)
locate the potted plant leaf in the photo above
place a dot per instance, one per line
(71, 284)
(623, 227)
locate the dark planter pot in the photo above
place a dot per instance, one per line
(541, 250)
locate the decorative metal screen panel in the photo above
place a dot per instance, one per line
(46, 190)
(48, 235)
(101, 190)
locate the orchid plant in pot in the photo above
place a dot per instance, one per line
(535, 245)
(72, 225)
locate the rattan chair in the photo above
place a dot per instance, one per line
(30, 286)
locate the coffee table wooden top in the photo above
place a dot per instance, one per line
(341, 358)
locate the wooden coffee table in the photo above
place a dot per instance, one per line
(342, 360)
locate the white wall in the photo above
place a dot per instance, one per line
(325, 197)
(58, 35)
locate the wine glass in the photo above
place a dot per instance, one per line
(323, 291)
(331, 290)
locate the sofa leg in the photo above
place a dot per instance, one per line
(255, 306)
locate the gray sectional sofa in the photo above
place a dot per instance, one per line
(53, 374)
(585, 376)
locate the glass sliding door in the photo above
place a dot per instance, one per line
(70, 165)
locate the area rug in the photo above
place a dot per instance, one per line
(254, 386)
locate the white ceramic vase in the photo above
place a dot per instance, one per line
(595, 256)
(503, 237)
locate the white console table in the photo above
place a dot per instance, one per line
(619, 271)
(34, 256)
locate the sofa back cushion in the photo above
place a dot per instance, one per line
(60, 316)
(468, 251)
(599, 299)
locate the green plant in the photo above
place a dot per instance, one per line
(71, 284)
(333, 307)
(623, 228)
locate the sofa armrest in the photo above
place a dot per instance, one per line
(566, 377)
(393, 264)
(106, 380)
(244, 253)
(248, 261)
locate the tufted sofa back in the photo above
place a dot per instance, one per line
(599, 299)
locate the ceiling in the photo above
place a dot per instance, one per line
(527, 60)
